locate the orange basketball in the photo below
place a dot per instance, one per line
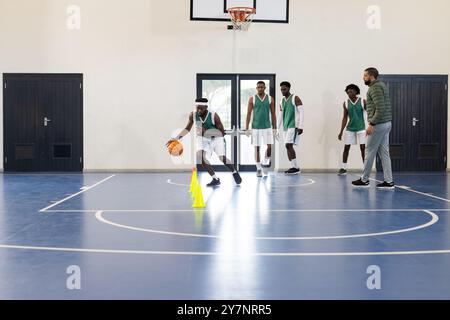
(175, 148)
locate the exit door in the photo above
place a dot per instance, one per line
(43, 122)
(228, 96)
(419, 125)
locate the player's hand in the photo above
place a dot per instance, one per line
(369, 130)
(248, 132)
(299, 131)
(340, 137)
(276, 134)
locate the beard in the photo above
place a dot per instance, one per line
(367, 82)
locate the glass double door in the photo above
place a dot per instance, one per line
(228, 96)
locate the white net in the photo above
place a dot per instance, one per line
(241, 17)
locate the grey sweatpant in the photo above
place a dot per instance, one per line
(378, 142)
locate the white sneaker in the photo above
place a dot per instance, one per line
(267, 163)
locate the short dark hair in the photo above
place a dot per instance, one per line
(373, 72)
(354, 87)
(202, 100)
(285, 84)
(261, 82)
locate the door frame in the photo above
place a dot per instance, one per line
(236, 110)
(43, 75)
(272, 92)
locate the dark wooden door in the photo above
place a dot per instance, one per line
(43, 122)
(64, 129)
(419, 126)
(23, 134)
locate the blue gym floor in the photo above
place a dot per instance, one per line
(135, 236)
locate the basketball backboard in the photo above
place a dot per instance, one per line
(271, 11)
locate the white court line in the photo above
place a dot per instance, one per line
(198, 253)
(415, 191)
(434, 219)
(169, 181)
(275, 211)
(310, 182)
(424, 194)
(84, 189)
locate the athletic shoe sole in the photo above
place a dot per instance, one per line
(213, 185)
(361, 187)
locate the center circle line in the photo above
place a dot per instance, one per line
(434, 219)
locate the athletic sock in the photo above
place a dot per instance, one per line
(344, 166)
(215, 177)
(235, 171)
(258, 166)
(294, 163)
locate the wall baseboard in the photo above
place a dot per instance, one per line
(189, 170)
(355, 171)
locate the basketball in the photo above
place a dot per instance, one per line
(175, 148)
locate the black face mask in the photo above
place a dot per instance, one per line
(368, 82)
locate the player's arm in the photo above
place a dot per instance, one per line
(300, 118)
(280, 116)
(364, 103)
(344, 122)
(219, 124)
(249, 114)
(185, 131)
(273, 112)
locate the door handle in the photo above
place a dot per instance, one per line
(415, 121)
(46, 121)
(232, 131)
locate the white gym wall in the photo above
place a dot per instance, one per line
(140, 64)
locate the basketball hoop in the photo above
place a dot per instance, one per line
(241, 17)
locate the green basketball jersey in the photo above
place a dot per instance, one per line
(356, 115)
(207, 124)
(288, 112)
(261, 113)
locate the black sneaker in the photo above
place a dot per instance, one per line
(342, 172)
(214, 183)
(237, 178)
(385, 185)
(293, 171)
(361, 184)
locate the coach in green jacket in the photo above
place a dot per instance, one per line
(379, 114)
